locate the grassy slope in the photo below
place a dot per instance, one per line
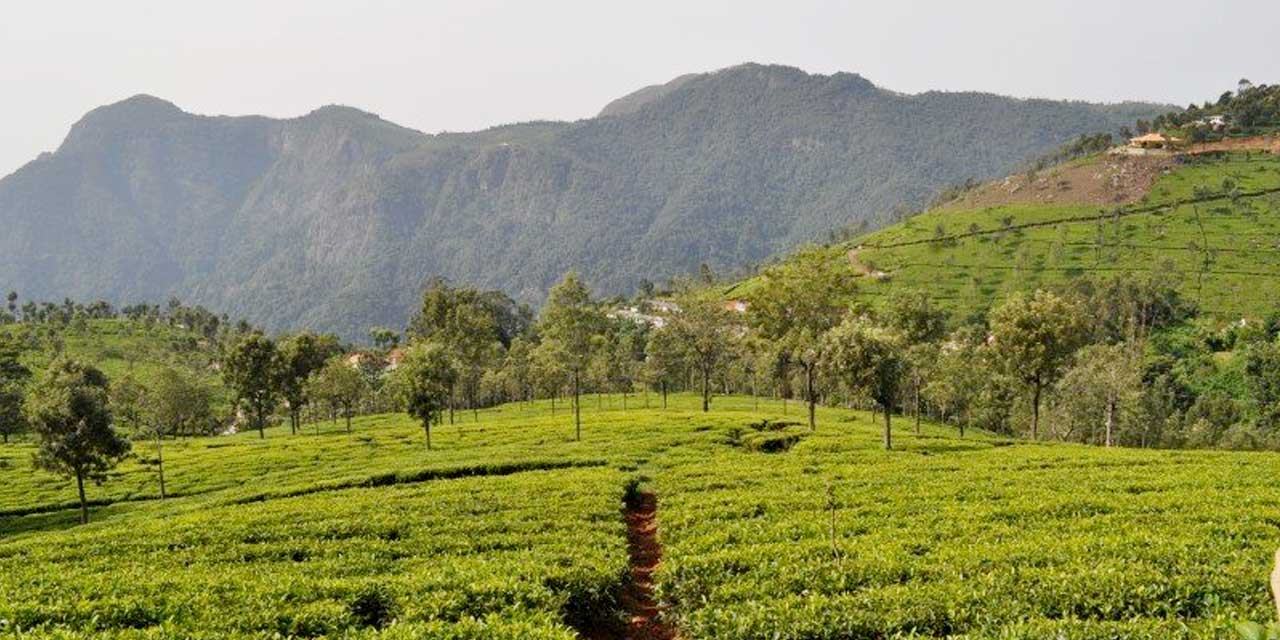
(122, 347)
(1221, 252)
(972, 537)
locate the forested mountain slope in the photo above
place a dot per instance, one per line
(335, 219)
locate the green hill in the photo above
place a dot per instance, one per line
(509, 529)
(122, 347)
(1208, 225)
(333, 220)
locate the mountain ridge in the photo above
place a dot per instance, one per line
(334, 219)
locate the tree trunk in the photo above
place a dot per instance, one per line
(84, 506)
(553, 404)
(347, 415)
(664, 394)
(1111, 412)
(1035, 413)
(160, 464)
(426, 426)
(262, 421)
(810, 396)
(293, 421)
(706, 390)
(577, 407)
(917, 403)
(888, 428)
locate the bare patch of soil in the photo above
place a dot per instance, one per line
(1269, 144)
(1111, 180)
(646, 553)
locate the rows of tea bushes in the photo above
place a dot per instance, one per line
(951, 539)
(511, 530)
(517, 556)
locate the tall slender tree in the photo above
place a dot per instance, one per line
(569, 321)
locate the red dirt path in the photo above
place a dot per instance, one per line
(646, 553)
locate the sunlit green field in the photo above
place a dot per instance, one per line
(510, 529)
(1221, 252)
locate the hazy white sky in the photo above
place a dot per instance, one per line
(459, 65)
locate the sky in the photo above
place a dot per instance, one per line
(446, 65)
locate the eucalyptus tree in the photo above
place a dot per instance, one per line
(568, 322)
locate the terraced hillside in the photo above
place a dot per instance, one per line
(511, 529)
(1210, 225)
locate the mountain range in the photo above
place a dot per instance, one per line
(335, 219)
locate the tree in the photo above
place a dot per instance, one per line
(921, 325)
(12, 299)
(1262, 374)
(128, 399)
(1034, 338)
(13, 377)
(422, 383)
(796, 303)
(1096, 390)
(467, 323)
(569, 321)
(958, 376)
(664, 361)
(703, 331)
(865, 359)
(518, 366)
(384, 339)
(69, 412)
(253, 369)
(175, 403)
(300, 356)
(339, 385)
(549, 371)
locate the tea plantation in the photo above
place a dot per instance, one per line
(511, 529)
(1210, 227)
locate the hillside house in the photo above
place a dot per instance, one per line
(1216, 123)
(1153, 140)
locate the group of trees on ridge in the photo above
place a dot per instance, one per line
(1121, 361)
